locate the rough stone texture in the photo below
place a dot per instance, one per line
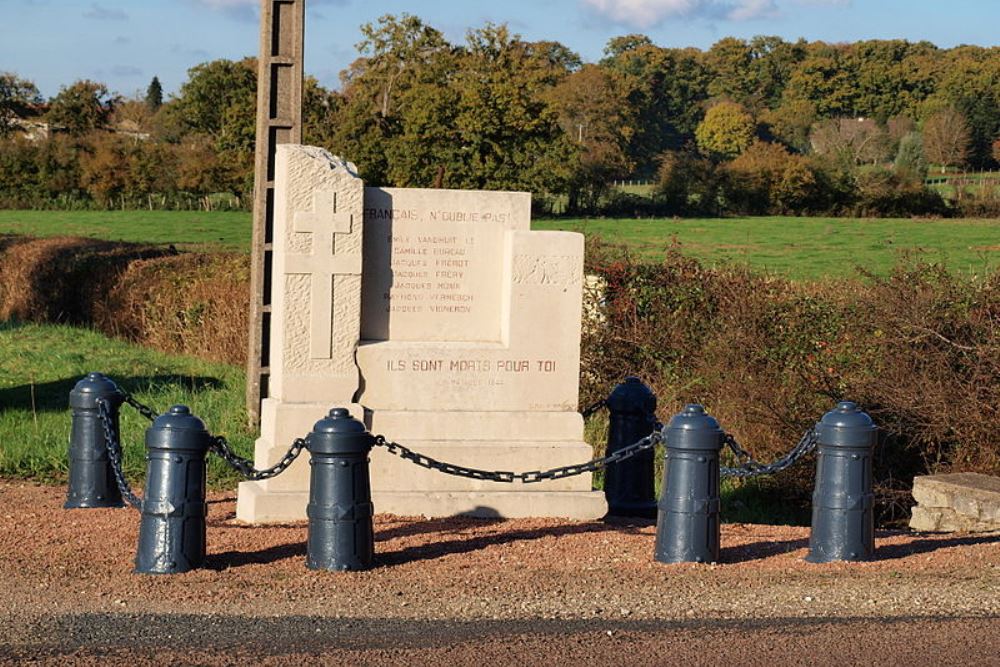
(316, 306)
(945, 520)
(959, 501)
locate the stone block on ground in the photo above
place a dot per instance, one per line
(956, 502)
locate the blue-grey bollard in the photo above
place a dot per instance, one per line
(341, 534)
(687, 526)
(172, 529)
(91, 478)
(629, 486)
(843, 522)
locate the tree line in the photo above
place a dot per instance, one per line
(762, 125)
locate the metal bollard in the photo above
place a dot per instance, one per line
(843, 522)
(687, 526)
(91, 478)
(629, 486)
(341, 534)
(172, 529)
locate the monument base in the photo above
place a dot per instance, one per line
(260, 506)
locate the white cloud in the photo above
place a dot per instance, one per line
(644, 14)
(101, 13)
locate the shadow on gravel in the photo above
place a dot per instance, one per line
(923, 546)
(478, 542)
(54, 396)
(445, 526)
(231, 559)
(760, 550)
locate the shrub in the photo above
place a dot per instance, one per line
(919, 349)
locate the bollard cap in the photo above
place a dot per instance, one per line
(632, 395)
(847, 425)
(693, 428)
(94, 386)
(177, 429)
(339, 433)
(179, 418)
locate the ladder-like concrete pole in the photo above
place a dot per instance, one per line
(279, 121)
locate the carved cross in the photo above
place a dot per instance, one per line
(324, 222)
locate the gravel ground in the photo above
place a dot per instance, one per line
(464, 591)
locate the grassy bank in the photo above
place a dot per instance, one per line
(800, 248)
(39, 364)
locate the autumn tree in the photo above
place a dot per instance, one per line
(946, 139)
(17, 98)
(594, 113)
(726, 131)
(82, 107)
(766, 178)
(851, 141)
(791, 122)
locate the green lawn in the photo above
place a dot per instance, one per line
(224, 229)
(802, 248)
(805, 248)
(40, 364)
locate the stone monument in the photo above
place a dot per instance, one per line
(443, 321)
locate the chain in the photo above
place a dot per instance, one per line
(751, 468)
(144, 410)
(599, 405)
(531, 477)
(245, 467)
(114, 446)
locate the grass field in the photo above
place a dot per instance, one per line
(805, 248)
(801, 248)
(40, 364)
(222, 229)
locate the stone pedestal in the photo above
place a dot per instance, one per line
(460, 339)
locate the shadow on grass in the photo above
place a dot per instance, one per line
(54, 396)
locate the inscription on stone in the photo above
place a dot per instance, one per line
(434, 264)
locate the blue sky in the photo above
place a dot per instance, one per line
(125, 42)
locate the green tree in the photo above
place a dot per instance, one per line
(726, 131)
(154, 95)
(17, 98)
(219, 100)
(508, 132)
(82, 107)
(664, 89)
(910, 162)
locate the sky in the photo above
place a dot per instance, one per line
(124, 43)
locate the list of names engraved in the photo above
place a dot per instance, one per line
(433, 266)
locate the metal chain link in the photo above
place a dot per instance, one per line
(113, 443)
(144, 410)
(531, 477)
(752, 468)
(220, 447)
(599, 405)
